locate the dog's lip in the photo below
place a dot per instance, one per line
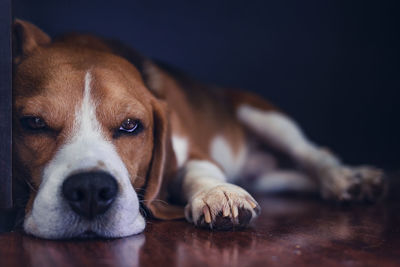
(88, 234)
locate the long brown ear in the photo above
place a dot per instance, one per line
(26, 38)
(163, 168)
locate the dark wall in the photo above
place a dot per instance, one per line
(333, 65)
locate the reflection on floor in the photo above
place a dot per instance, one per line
(290, 231)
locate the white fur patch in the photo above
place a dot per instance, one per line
(180, 146)
(200, 174)
(280, 181)
(284, 134)
(273, 125)
(85, 150)
(222, 153)
(204, 168)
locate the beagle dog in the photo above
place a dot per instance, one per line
(103, 136)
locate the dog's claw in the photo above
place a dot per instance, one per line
(252, 204)
(226, 211)
(235, 211)
(207, 214)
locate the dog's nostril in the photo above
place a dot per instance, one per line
(106, 194)
(90, 193)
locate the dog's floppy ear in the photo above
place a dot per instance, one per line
(163, 167)
(27, 37)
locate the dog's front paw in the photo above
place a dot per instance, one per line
(222, 207)
(353, 184)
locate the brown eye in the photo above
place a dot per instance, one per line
(129, 126)
(33, 123)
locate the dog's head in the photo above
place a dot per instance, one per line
(88, 134)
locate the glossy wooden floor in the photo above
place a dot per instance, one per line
(290, 231)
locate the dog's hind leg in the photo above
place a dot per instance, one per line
(278, 181)
(336, 180)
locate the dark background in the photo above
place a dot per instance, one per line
(333, 65)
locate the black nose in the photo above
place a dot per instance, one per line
(90, 193)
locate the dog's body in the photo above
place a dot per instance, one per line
(94, 120)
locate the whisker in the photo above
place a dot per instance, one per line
(30, 185)
(158, 200)
(143, 211)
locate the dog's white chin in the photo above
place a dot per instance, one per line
(135, 228)
(99, 229)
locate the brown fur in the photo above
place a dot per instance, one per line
(48, 83)
(49, 79)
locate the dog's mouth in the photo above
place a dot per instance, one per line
(89, 234)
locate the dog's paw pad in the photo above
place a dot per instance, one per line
(223, 207)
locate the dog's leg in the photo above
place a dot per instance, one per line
(211, 201)
(336, 180)
(283, 181)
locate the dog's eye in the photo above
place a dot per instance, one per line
(33, 123)
(130, 126)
